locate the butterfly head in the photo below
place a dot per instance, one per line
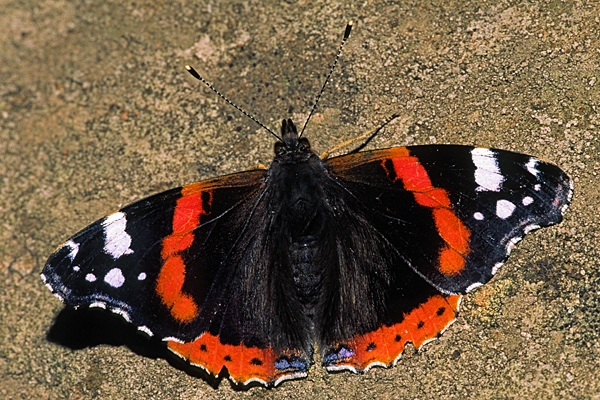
(290, 142)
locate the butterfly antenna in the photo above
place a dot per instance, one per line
(337, 56)
(196, 75)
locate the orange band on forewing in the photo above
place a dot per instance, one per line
(169, 285)
(451, 262)
(170, 280)
(415, 179)
(174, 244)
(433, 198)
(184, 309)
(187, 213)
(413, 175)
(452, 230)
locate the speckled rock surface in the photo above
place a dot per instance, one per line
(96, 111)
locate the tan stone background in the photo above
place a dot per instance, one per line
(96, 110)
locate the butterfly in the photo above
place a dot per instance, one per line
(352, 256)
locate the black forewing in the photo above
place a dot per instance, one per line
(539, 191)
(409, 227)
(79, 271)
(75, 271)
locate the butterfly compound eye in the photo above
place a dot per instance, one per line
(304, 145)
(279, 148)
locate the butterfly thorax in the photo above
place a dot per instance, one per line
(297, 176)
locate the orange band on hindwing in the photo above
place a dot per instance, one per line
(243, 363)
(414, 176)
(385, 345)
(169, 285)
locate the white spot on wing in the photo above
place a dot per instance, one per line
(473, 286)
(537, 187)
(114, 278)
(90, 277)
(397, 359)
(146, 330)
(426, 341)
(341, 368)
(195, 364)
(495, 268)
(141, 276)
(504, 209)
(295, 375)
(122, 313)
(478, 216)
(530, 228)
(532, 167)
(511, 243)
(487, 171)
(74, 249)
(249, 381)
(569, 197)
(571, 188)
(172, 339)
(98, 304)
(458, 304)
(116, 240)
(375, 364)
(527, 200)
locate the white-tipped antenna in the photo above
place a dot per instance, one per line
(196, 75)
(337, 56)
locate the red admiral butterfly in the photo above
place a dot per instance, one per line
(354, 255)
